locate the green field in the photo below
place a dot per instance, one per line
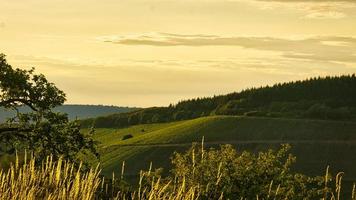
(316, 143)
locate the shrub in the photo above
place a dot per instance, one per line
(318, 111)
(243, 175)
(125, 137)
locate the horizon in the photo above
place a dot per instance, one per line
(173, 103)
(140, 53)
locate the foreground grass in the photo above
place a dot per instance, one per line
(60, 180)
(52, 180)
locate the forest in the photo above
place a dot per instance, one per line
(326, 98)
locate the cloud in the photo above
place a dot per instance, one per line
(159, 81)
(155, 39)
(326, 48)
(323, 15)
(311, 9)
(327, 10)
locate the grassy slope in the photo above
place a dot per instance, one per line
(315, 143)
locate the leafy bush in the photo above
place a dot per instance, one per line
(125, 137)
(244, 175)
(322, 111)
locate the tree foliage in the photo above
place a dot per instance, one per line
(42, 130)
(244, 175)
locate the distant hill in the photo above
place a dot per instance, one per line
(87, 111)
(77, 111)
(328, 98)
(316, 143)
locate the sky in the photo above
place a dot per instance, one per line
(155, 52)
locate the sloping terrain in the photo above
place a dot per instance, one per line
(316, 143)
(328, 98)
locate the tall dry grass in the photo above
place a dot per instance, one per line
(52, 180)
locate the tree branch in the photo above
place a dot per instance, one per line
(24, 101)
(11, 129)
(15, 131)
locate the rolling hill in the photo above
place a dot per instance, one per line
(316, 116)
(316, 143)
(327, 98)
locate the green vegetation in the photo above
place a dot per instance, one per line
(41, 130)
(196, 174)
(234, 175)
(332, 98)
(126, 137)
(316, 143)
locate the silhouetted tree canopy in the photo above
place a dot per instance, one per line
(41, 131)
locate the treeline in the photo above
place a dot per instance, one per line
(332, 98)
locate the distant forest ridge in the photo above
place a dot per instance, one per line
(331, 98)
(76, 111)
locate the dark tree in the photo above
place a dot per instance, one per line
(41, 130)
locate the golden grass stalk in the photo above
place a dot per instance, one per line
(52, 180)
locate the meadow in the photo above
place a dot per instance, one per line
(316, 143)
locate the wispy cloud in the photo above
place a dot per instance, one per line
(326, 48)
(327, 10)
(139, 82)
(314, 9)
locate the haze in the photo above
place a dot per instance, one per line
(155, 52)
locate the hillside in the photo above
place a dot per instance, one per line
(77, 111)
(316, 143)
(328, 98)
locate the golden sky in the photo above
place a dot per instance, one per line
(156, 52)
